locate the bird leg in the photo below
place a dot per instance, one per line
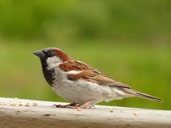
(87, 105)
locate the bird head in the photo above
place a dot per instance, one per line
(49, 53)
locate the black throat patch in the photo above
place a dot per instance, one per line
(48, 74)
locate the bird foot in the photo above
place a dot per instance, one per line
(72, 105)
(86, 105)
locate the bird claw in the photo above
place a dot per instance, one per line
(58, 106)
(86, 106)
(76, 106)
(72, 105)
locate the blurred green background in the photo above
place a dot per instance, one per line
(128, 40)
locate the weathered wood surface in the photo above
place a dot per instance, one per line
(19, 113)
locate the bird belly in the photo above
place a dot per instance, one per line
(83, 91)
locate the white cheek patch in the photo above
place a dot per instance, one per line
(53, 62)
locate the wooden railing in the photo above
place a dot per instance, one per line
(20, 113)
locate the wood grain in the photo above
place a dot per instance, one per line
(19, 113)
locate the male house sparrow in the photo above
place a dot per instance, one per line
(80, 83)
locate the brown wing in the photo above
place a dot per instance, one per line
(90, 74)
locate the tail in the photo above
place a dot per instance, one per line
(142, 95)
(146, 96)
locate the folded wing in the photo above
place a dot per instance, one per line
(90, 74)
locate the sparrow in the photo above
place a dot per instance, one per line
(80, 83)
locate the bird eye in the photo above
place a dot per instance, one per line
(51, 53)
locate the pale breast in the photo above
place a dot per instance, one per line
(82, 91)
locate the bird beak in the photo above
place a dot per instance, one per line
(38, 53)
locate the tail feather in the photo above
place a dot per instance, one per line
(146, 96)
(142, 95)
